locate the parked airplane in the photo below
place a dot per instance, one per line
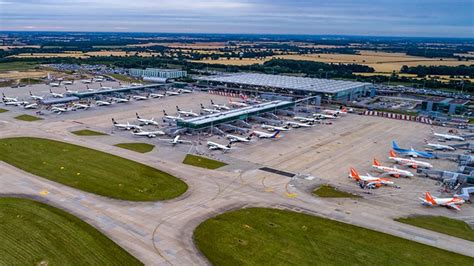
(184, 91)
(136, 85)
(103, 103)
(54, 84)
(171, 117)
(447, 136)
(104, 87)
(369, 181)
(15, 103)
(36, 97)
(77, 106)
(408, 162)
(297, 125)
(341, 111)
(70, 91)
(121, 100)
(68, 82)
(150, 134)
(59, 110)
(146, 121)
(237, 104)
(306, 119)
(208, 110)
(453, 202)
(220, 106)
(177, 140)
(156, 95)
(31, 106)
(393, 171)
(216, 146)
(186, 113)
(127, 126)
(437, 146)
(171, 93)
(411, 152)
(264, 135)
(139, 97)
(324, 116)
(9, 99)
(233, 138)
(86, 81)
(55, 94)
(275, 128)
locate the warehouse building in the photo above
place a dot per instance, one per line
(157, 73)
(298, 87)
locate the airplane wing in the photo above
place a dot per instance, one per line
(454, 206)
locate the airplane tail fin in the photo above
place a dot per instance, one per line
(395, 145)
(429, 198)
(113, 121)
(212, 102)
(354, 174)
(31, 93)
(275, 135)
(164, 112)
(202, 106)
(177, 108)
(376, 162)
(137, 115)
(229, 145)
(392, 154)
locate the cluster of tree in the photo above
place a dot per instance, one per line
(422, 71)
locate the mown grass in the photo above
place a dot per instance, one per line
(327, 191)
(87, 132)
(202, 162)
(442, 225)
(3, 110)
(137, 147)
(28, 118)
(90, 170)
(17, 66)
(33, 233)
(258, 236)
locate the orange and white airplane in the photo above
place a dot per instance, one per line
(370, 181)
(393, 171)
(341, 111)
(453, 202)
(408, 162)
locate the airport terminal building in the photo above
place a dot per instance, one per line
(157, 73)
(298, 87)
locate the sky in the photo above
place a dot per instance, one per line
(423, 18)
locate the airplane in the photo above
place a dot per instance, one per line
(9, 99)
(68, 82)
(264, 135)
(237, 104)
(437, 146)
(89, 89)
(31, 106)
(186, 113)
(411, 152)
(104, 88)
(208, 110)
(55, 94)
(306, 119)
(146, 121)
(447, 136)
(139, 97)
(86, 81)
(176, 140)
(78, 106)
(103, 103)
(453, 202)
(122, 100)
(170, 117)
(393, 171)
(216, 146)
(136, 84)
(127, 126)
(324, 116)
(171, 93)
(53, 84)
(59, 110)
(156, 95)
(15, 103)
(297, 125)
(220, 106)
(36, 97)
(408, 162)
(275, 128)
(370, 181)
(184, 91)
(341, 111)
(70, 91)
(150, 134)
(233, 138)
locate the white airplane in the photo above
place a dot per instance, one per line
(324, 116)
(448, 136)
(437, 146)
(59, 110)
(54, 84)
(156, 95)
(305, 119)
(9, 99)
(145, 121)
(220, 106)
(150, 134)
(237, 104)
(216, 146)
(171, 117)
(68, 82)
(297, 125)
(171, 93)
(209, 110)
(98, 79)
(78, 106)
(369, 181)
(36, 97)
(70, 91)
(127, 126)
(233, 138)
(86, 81)
(136, 84)
(176, 140)
(275, 128)
(341, 111)
(103, 103)
(122, 100)
(89, 89)
(393, 171)
(453, 202)
(139, 97)
(408, 162)
(56, 95)
(186, 113)
(31, 106)
(13, 103)
(184, 91)
(264, 135)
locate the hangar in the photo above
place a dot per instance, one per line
(336, 90)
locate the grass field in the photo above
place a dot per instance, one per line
(28, 118)
(3, 110)
(258, 236)
(33, 233)
(137, 147)
(327, 191)
(87, 132)
(442, 225)
(17, 66)
(202, 162)
(90, 170)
